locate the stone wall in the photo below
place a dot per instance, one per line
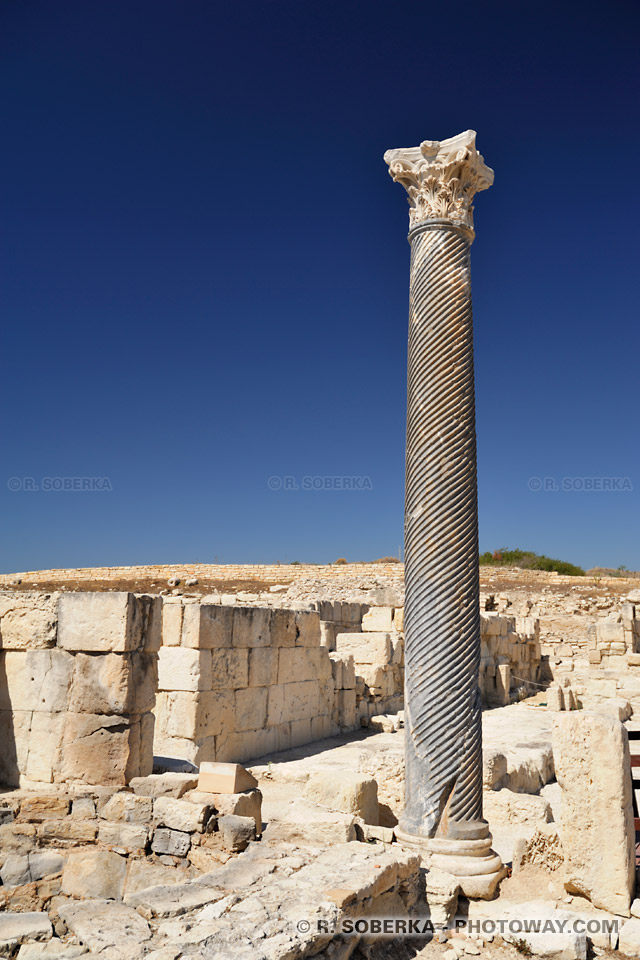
(510, 664)
(236, 683)
(77, 686)
(269, 572)
(84, 677)
(578, 632)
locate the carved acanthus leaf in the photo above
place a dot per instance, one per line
(441, 178)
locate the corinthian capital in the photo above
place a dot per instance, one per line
(441, 178)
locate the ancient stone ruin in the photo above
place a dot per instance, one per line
(278, 763)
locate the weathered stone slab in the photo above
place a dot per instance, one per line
(229, 669)
(113, 683)
(94, 873)
(347, 792)
(15, 928)
(181, 668)
(38, 808)
(36, 680)
(378, 620)
(365, 647)
(101, 924)
(172, 842)
(25, 869)
(143, 875)
(591, 755)
(207, 626)
(28, 620)
(181, 814)
(101, 622)
(251, 708)
(130, 836)
(164, 784)
(252, 627)
(128, 807)
(101, 748)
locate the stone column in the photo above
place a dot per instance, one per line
(443, 738)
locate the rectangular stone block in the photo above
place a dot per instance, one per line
(352, 612)
(296, 664)
(365, 647)
(398, 619)
(45, 745)
(199, 715)
(131, 836)
(100, 749)
(326, 692)
(591, 755)
(345, 701)
(307, 628)
(246, 746)
(378, 619)
(181, 814)
(609, 632)
(283, 628)
(172, 611)
(225, 778)
(263, 666)
(113, 683)
(180, 668)
(102, 622)
(28, 621)
(251, 627)
(251, 708)
(37, 808)
(35, 680)
(207, 626)
(292, 701)
(229, 669)
(127, 807)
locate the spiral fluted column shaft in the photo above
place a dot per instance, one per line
(443, 750)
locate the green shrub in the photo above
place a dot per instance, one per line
(528, 560)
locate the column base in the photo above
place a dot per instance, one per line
(477, 868)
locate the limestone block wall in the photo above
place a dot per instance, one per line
(77, 686)
(339, 617)
(237, 683)
(580, 631)
(270, 572)
(510, 659)
(378, 654)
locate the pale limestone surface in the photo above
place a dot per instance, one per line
(344, 791)
(591, 755)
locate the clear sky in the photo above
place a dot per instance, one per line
(205, 274)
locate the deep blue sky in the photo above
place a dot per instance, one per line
(205, 272)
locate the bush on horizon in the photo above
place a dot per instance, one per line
(528, 560)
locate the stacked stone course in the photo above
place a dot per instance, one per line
(77, 686)
(236, 683)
